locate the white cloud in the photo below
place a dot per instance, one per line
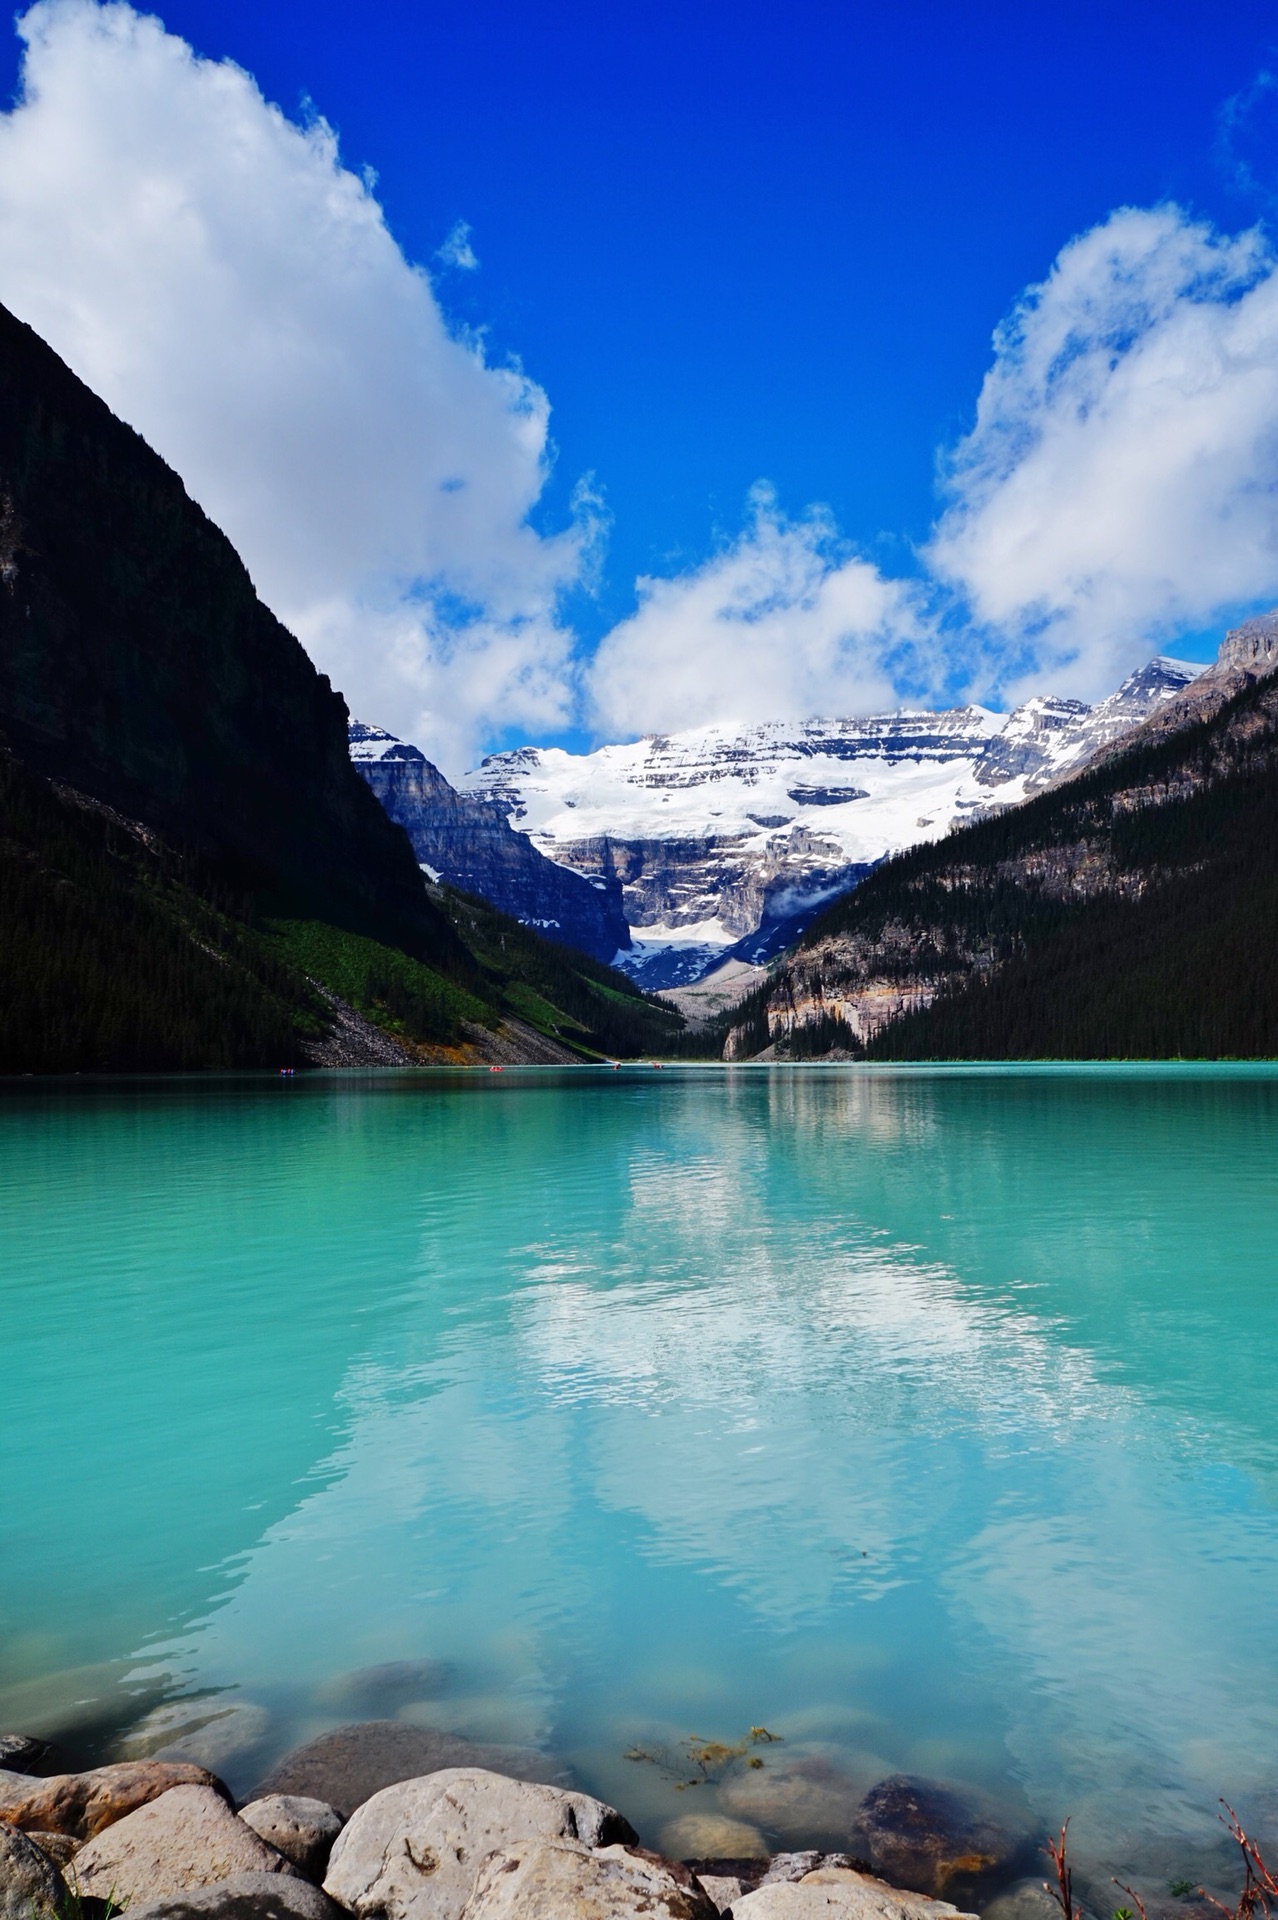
(215, 273)
(784, 623)
(457, 250)
(1119, 485)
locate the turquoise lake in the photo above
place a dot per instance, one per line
(926, 1417)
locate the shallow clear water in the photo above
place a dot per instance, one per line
(925, 1417)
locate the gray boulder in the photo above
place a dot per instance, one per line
(839, 1893)
(412, 1851)
(187, 1838)
(31, 1888)
(245, 1896)
(541, 1879)
(302, 1830)
(348, 1766)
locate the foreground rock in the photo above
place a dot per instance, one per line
(348, 1766)
(302, 1830)
(31, 1888)
(412, 1851)
(921, 1835)
(839, 1893)
(539, 1879)
(187, 1838)
(84, 1804)
(245, 1896)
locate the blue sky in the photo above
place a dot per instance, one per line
(733, 244)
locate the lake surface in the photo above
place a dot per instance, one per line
(925, 1417)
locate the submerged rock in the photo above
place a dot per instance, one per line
(839, 1893)
(412, 1851)
(187, 1838)
(31, 1888)
(208, 1731)
(706, 1836)
(922, 1835)
(302, 1830)
(23, 1753)
(348, 1766)
(244, 1896)
(806, 1798)
(83, 1804)
(384, 1689)
(540, 1879)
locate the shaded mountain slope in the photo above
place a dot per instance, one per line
(138, 665)
(1131, 912)
(194, 874)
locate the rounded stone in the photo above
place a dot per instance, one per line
(922, 1834)
(711, 1836)
(805, 1800)
(540, 1879)
(303, 1830)
(187, 1838)
(83, 1804)
(412, 1851)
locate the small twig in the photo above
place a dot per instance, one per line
(1131, 1895)
(1063, 1892)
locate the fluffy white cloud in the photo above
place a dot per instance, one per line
(232, 290)
(784, 623)
(1119, 485)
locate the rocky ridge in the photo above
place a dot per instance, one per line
(465, 840)
(725, 841)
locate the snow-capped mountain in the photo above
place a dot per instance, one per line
(727, 839)
(466, 840)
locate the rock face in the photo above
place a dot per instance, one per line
(302, 1830)
(718, 834)
(31, 1888)
(187, 1838)
(466, 840)
(244, 1896)
(348, 1766)
(838, 1893)
(83, 1804)
(412, 1851)
(919, 1834)
(556, 1880)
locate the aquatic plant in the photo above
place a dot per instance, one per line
(712, 1759)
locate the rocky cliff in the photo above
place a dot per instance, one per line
(722, 836)
(465, 840)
